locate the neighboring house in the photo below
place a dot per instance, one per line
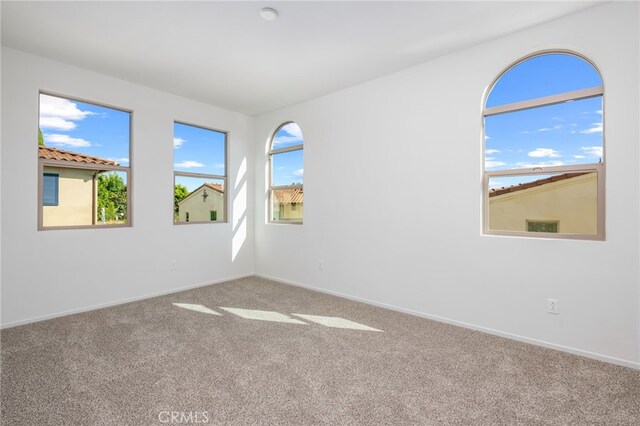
(203, 204)
(69, 194)
(288, 204)
(566, 203)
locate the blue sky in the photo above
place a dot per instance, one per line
(569, 133)
(288, 167)
(197, 150)
(85, 128)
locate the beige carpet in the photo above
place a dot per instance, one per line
(134, 364)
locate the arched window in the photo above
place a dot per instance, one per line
(286, 192)
(544, 160)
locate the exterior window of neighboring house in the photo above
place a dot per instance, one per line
(544, 159)
(542, 226)
(286, 192)
(83, 162)
(199, 174)
(50, 189)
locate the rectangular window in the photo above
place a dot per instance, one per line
(542, 226)
(50, 189)
(287, 186)
(83, 158)
(539, 202)
(200, 176)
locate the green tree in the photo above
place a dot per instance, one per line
(180, 192)
(112, 196)
(40, 138)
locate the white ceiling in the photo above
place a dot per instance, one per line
(224, 54)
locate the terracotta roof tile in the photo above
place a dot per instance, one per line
(49, 153)
(215, 186)
(288, 195)
(521, 186)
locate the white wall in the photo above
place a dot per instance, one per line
(415, 136)
(47, 273)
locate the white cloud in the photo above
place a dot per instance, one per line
(298, 173)
(553, 163)
(60, 114)
(188, 164)
(544, 152)
(65, 140)
(579, 156)
(491, 151)
(219, 165)
(599, 112)
(293, 129)
(489, 163)
(487, 137)
(596, 151)
(56, 123)
(177, 142)
(280, 140)
(293, 134)
(595, 128)
(544, 129)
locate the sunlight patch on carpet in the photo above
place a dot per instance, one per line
(262, 315)
(197, 308)
(336, 322)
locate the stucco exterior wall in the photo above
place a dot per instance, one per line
(75, 198)
(287, 212)
(199, 210)
(572, 202)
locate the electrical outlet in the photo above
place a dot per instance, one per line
(320, 265)
(173, 265)
(553, 306)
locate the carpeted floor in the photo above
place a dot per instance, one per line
(143, 362)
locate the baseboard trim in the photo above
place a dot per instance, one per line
(536, 342)
(118, 302)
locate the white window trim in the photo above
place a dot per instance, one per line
(599, 168)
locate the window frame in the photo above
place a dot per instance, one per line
(272, 187)
(225, 208)
(598, 168)
(42, 163)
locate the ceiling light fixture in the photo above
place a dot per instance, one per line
(269, 13)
